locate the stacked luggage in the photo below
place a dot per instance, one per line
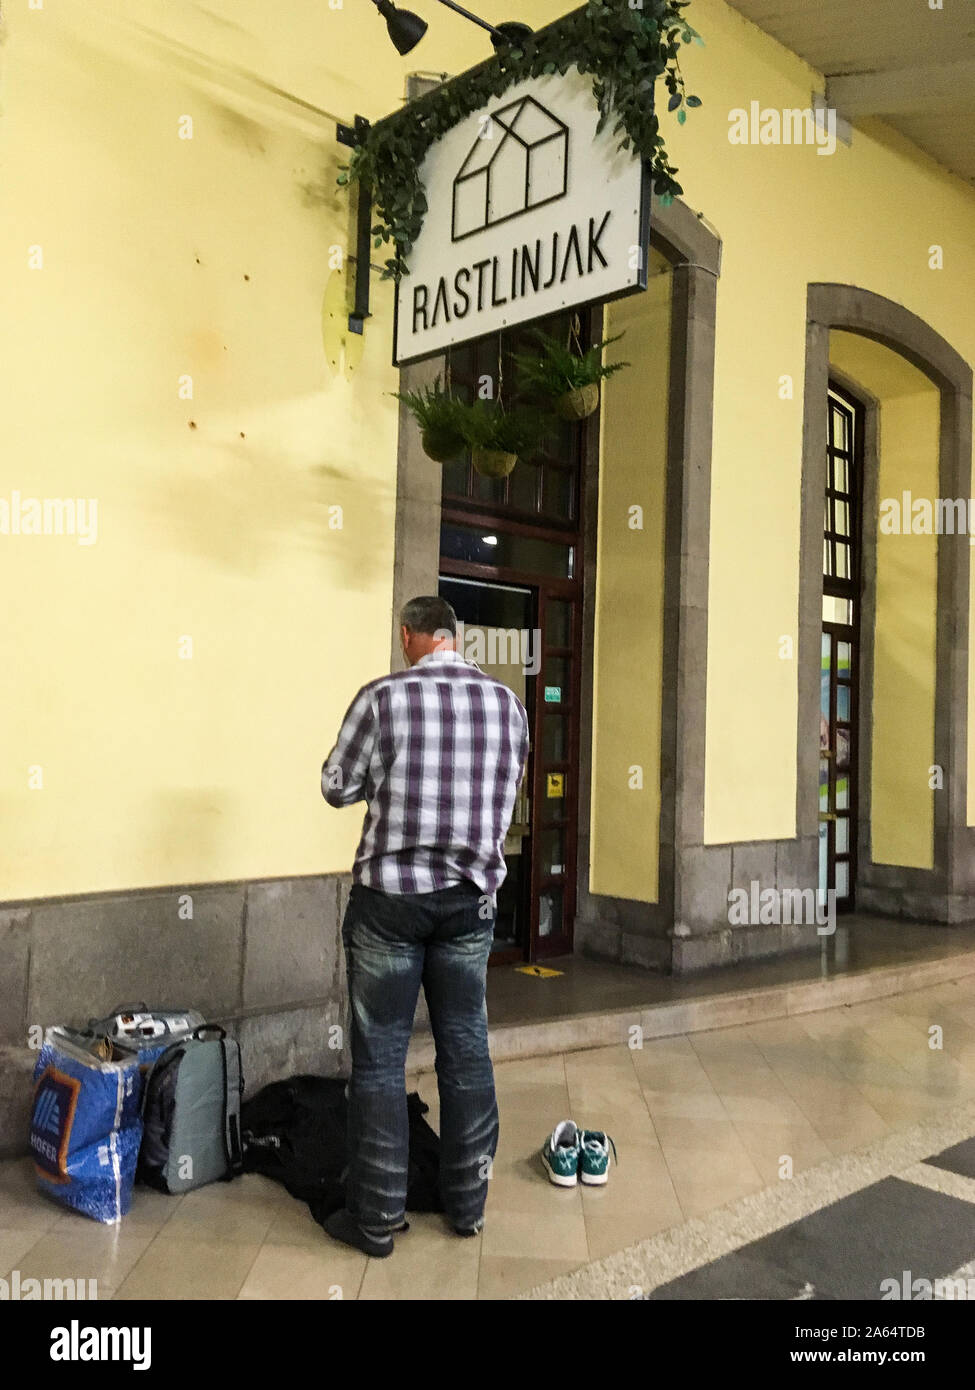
(139, 1092)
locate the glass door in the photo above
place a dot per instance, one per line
(556, 739)
(837, 754)
(496, 623)
(510, 556)
(526, 636)
(839, 662)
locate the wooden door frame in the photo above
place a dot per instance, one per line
(544, 586)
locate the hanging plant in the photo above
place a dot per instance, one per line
(438, 415)
(568, 379)
(497, 437)
(624, 49)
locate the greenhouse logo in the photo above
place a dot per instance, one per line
(518, 162)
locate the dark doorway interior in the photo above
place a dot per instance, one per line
(510, 563)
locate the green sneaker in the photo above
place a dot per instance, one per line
(594, 1161)
(560, 1154)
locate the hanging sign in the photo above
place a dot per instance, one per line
(529, 212)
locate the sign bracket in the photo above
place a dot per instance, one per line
(353, 135)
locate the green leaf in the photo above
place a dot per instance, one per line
(681, 116)
(622, 49)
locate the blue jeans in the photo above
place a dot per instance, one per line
(392, 944)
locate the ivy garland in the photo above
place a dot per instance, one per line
(625, 48)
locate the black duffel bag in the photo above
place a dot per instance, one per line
(294, 1131)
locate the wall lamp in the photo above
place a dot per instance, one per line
(406, 29)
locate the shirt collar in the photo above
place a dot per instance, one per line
(445, 654)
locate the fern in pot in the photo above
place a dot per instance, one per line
(568, 380)
(498, 437)
(438, 415)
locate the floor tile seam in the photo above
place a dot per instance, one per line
(676, 1187)
(813, 1049)
(810, 1119)
(227, 1240)
(741, 1138)
(5, 1274)
(704, 1239)
(912, 1078)
(190, 1240)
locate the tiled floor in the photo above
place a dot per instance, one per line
(699, 1122)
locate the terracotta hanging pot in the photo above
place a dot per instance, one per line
(441, 443)
(493, 463)
(579, 403)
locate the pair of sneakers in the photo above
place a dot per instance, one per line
(570, 1154)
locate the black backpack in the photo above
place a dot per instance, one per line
(294, 1131)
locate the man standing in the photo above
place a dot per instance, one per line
(437, 752)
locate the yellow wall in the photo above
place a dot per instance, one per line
(157, 770)
(901, 798)
(628, 653)
(865, 215)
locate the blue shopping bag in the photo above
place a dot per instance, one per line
(86, 1125)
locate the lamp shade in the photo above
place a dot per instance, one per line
(510, 33)
(406, 29)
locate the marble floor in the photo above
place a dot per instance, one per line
(700, 1122)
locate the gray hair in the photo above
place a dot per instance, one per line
(429, 614)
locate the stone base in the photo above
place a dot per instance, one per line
(916, 905)
(696, 934)
(732, 946)
(264, 959)
(16, 1096)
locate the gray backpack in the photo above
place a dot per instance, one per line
(191, 1113)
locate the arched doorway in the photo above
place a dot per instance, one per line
(895, 346)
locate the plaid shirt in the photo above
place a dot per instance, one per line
(438, 752)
